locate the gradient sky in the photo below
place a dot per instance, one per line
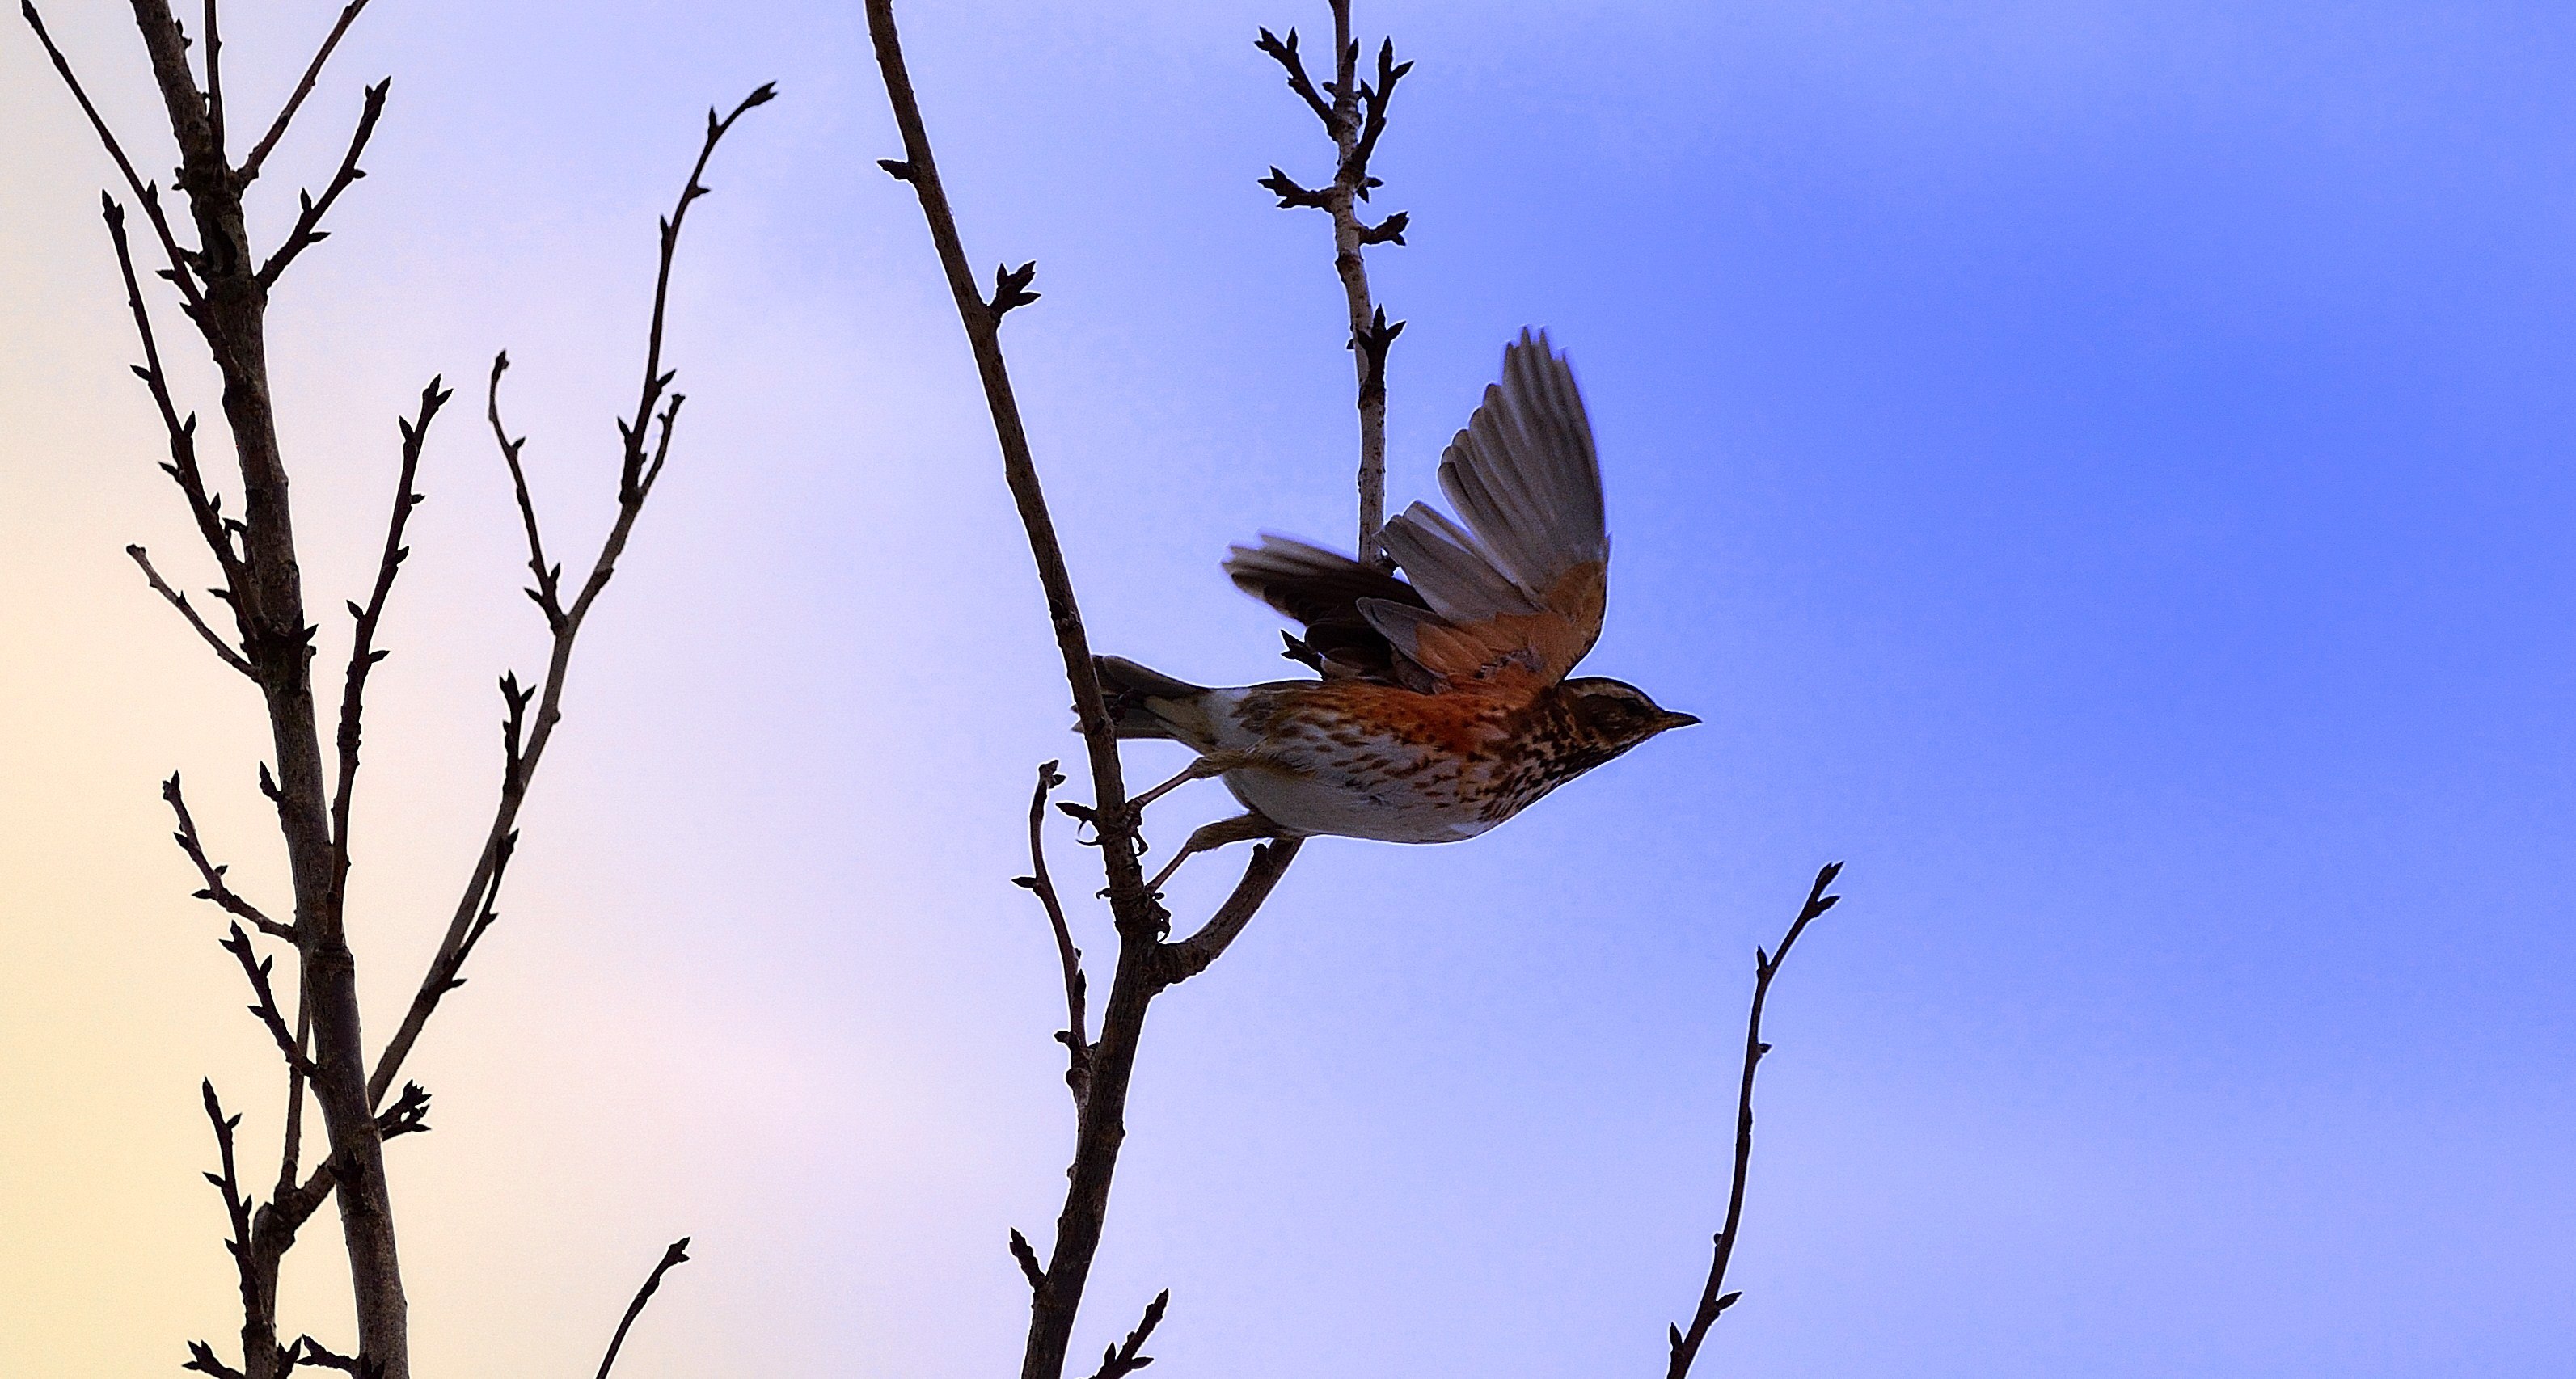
(2100, 469)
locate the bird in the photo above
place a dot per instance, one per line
(1443, 705)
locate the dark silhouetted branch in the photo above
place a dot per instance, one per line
(1140, 919)
(215, 891)
(1118, 1361)
(409, 1115)
(1355, 117)
(312, 73)
(308, 221)
(179, 601)
(181, 260)
(312, 1352)
(363, 653)
(1075, 1036)
(677, 1254)
(1181, 960)
(546, 594)
(201, 1360)
(640, 466)
(256, 969)
(1713, 1297)
(205, 507)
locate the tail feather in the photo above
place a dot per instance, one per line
(1148, 703)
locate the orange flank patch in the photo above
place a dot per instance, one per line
(1461, 722)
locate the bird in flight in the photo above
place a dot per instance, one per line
(1444, 706)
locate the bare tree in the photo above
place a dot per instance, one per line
(224, 286)
(1353, 110)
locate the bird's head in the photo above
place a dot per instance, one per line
(1618, 714)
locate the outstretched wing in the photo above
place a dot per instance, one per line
(1522, 585)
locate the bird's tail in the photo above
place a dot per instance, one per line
(1148, 703)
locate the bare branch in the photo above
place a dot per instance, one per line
(1121, 1360)
(409, 1115)
(312, 1352)
(638, 471)
(180, 259)
(363, 654)
(1075, 1035)
(178, 600)
(205, 508)
(291, 1139)
(201, 1360)
(255, 968)
(307, 231)
(236, 1211)
(1179, 961)
(549, 577)
(312, 73)
(677, 1254)
(1713, 1297)
(1285, 54)
(216, 891)
(1355, 118)
(1019, 470)
(1106, 1067)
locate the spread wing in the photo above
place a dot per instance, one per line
(1519, 587)
(1522, 585)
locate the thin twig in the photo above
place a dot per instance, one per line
(206, 508)
(216, 891)
(548, 575)
(639, 468)
(409, 1115)
(677, 1254)
(1075, 1036)
(308, 220)
(147, 193)
(236, 1210)
(363, 654)
(361, 651)
(1140, 919)
(1178, 961)
(1713, 1297)
(179, 601)
(312, 73)
(1355, 118)
(1064, 611)
(291, 1139)
(1119, 1361)
(256, 969)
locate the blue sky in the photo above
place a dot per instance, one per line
(2098, 469)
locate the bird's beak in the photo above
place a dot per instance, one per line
(1671, 721)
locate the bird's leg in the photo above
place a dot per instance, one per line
(1208, 767)
(1242, 828)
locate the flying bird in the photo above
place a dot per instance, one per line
(1444, 706)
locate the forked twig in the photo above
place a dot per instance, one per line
(216, 891)
(640, 465)
(181, 260)
(1355, 117)
(312, 73)
(307, 231)
(1118, 1361)
(1713, 1297)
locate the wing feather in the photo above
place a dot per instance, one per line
(1525, 574)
